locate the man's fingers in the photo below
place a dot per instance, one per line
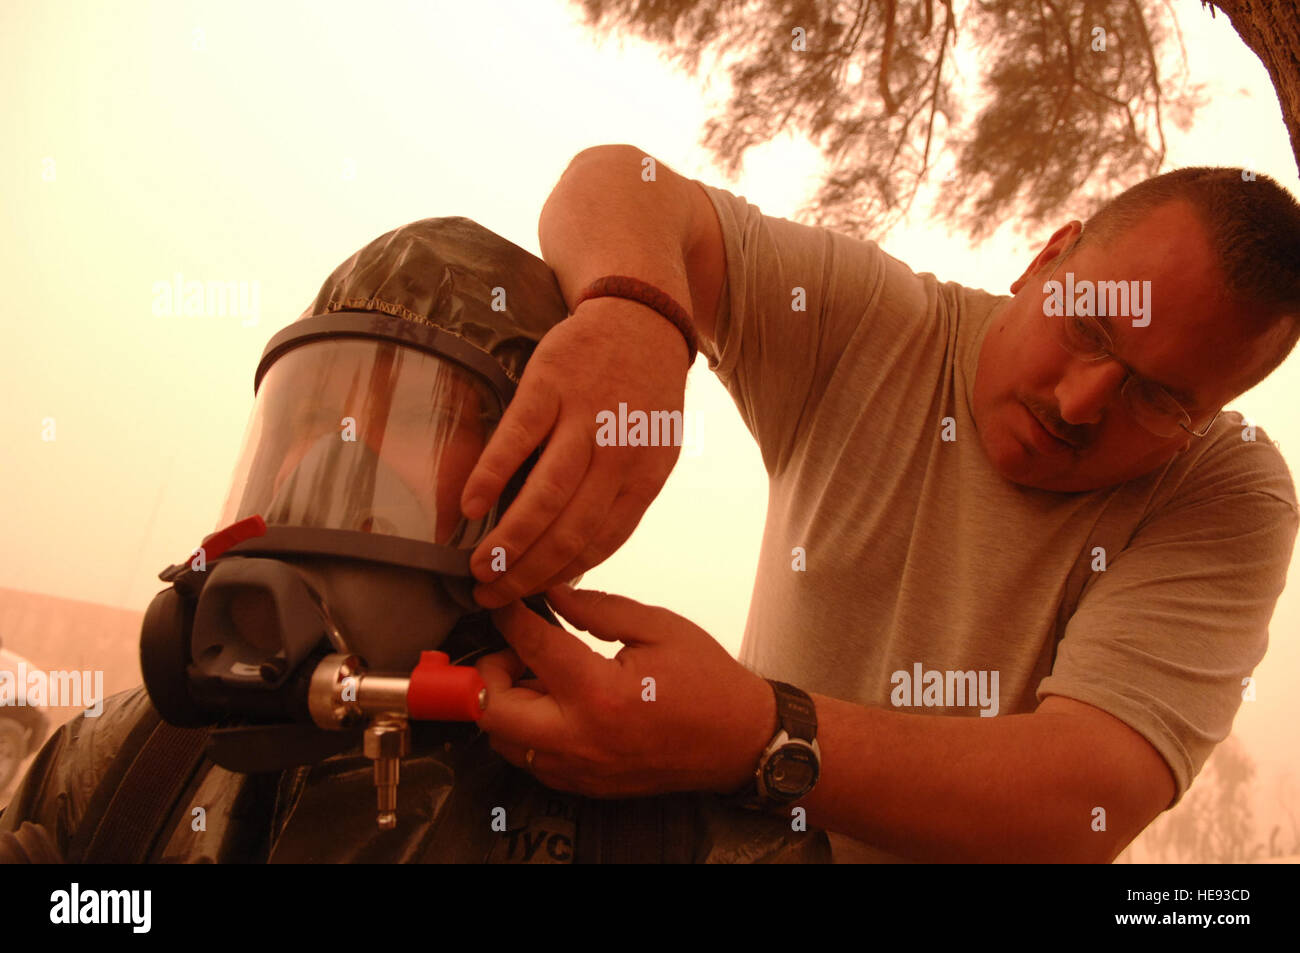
(504, 670)
(607, 616)
(500, 670)
(557, 657)
(567, 536)
(524, 425)
(516, 754)
(516, 713)
(548, 489)
(522, 717)
(624, 516)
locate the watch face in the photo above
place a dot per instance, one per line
(791, 772)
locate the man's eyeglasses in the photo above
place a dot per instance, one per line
(1149, 403)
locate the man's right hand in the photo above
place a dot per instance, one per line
(582, 500)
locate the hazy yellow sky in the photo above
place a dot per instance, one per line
(265, 142)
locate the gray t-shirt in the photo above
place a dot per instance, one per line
(889, 550)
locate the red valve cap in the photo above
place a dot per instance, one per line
(440, 691)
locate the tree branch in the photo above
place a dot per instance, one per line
(1155, 77)
(886, 51)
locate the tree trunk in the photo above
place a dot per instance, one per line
(1272, 29)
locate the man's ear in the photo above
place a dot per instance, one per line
(1061, 239)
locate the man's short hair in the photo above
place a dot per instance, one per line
(1254, 229)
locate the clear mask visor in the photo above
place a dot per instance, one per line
(365, 435)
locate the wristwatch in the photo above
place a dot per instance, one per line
(791, 763)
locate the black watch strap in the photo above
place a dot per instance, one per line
(794, 711)
(796, 717)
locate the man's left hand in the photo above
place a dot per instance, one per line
(673, 711)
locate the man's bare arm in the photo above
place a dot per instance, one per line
(604, 217)
(1017, 788)
(583, 499)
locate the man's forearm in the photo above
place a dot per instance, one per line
(605, 217)
(935, 788)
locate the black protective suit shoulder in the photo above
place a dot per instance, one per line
(59, 789)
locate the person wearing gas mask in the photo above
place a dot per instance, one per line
(318, 676)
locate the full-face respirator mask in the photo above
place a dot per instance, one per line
(340, 568)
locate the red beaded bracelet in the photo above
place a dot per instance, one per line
(624, 286)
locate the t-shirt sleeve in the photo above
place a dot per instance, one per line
(796, 299)
(1166, 636)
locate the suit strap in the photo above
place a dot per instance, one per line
(131, 806)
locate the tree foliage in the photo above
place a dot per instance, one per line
(1010, 107)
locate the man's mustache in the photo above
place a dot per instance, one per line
(1076, 436)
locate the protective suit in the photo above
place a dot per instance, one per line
(309, 692)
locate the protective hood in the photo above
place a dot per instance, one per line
(372, 408)
(455, 275)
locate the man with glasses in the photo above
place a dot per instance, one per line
(967, 494)
(1151, 405)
